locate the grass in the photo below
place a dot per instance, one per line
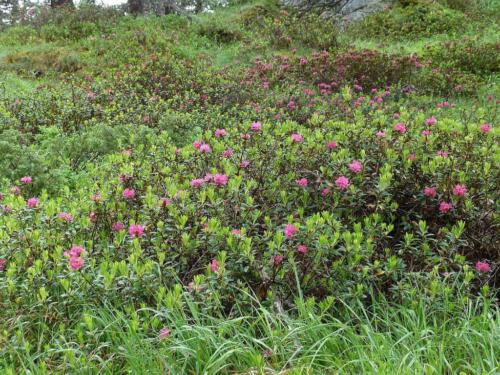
(384, 339)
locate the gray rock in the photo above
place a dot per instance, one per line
(346, 10)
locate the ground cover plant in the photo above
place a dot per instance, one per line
(250, 191)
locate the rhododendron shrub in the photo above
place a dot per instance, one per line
(340, 218)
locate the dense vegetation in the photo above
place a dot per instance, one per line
(251, 190)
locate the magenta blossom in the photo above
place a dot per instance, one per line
(400, 128)
(256, 126)
(245, 136)
(244, 164)
(64, 216)
(426, 132)
(236, 232)
(302, 182)
(1, 197)
(220, 133)
(290, 231)
(93, 216)
(411, 157)
(355, 166)
(227, 153)
(302, 249)
(26, 180)
(76, 263)
(118, 226)
(220, 179)
(485, 128)
(205, 149)
(136, 230)
(95, 197)
(197, 183)
(380, 134)
(444, 207)
(297, 138)
(442, 153)
(197, 144)
(32, 202)
(459, 190)
(164, 333)
(214, 265)
(164, 202)
(128, 193)
(3, 264)
(482, 267)
(431, 121)
(430, 192)
(277, 259)
(325, 192)
(342, 182)
(331, 145)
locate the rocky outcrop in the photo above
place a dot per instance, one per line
(346, 10)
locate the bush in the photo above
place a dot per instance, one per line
(412, 22)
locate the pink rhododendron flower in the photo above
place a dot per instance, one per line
(331, 145)
(16, 190)
(236, 232)
(245, 136)
(76, 263)
(26, 180)
(6, 209)
(380, 134)
(32, 202)
(219, 133)
(197, 144)
(482, 267)
(297, 138)
(214, 265)
(277, 259)
(3, 263)
(118, 226)
(302, 182)
(93, 216)
(244, 164)
(256, 126)
(205, 149)
(411, 157)
(290, 230)
(442, 153)
(302, 249)
(426, 132)
(220, 179)
(431, 121)
(76, 251)
(430, 191)
(395, 116)
(64, 216)
(342, 182)
(95, 197)
(164, 333)
(197, 183)
(325, 192)
(1, 197)
(485, 128)
(164, 202)
(209, 177)
(444, 207)
(136, 230)
(128, 193)
(356, 166)
(227, 153)
(400, 128)
(459, 190)
(90, 95)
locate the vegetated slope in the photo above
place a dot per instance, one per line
(233, 167)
